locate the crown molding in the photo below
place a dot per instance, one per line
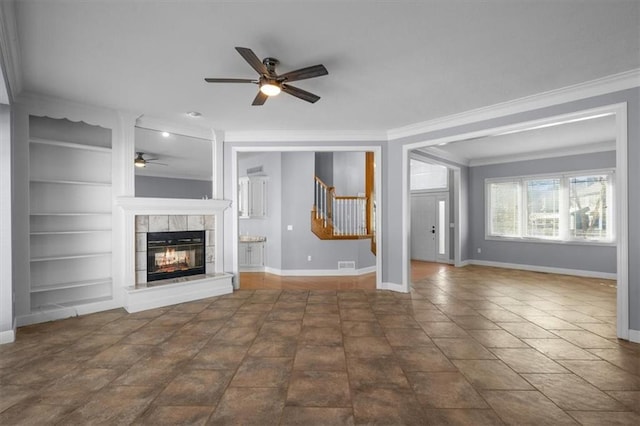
(305, 136)
(539, 155)
(10, 49)
(608, 84)
(154, 123)
(441, 154)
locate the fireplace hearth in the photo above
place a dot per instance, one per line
(175, 254)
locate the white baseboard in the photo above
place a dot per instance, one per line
(319, 272)
(394, 287)
(547, 269)
(141, 299)
(7, 336)
(462, 263)
(57, 312)
(634, 336)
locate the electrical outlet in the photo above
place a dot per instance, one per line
(479, 250)
(308, 258)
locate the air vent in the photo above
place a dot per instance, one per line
(253, 171)
(347, 264)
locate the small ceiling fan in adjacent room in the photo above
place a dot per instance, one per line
(140, 161)
(270, 82)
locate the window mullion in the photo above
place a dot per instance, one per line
(564, 220)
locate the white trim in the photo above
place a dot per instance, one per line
(545, 269)
(10, 47)
(317, 272)
(376, 149)
(156, 206)
(278, 136)
(151, 123)
(634, 336)
(442, 154)
(60, 312)
(7, 336)
(622, 221)
(141, 299)
(399, 288)
(601, 86)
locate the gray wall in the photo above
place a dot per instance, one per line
(162, 187)
(349, 173)
(324, 167)
(297, 244)
(270, 226)
(570, 256)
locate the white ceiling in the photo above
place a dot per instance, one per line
(390, 64)
(591, 135)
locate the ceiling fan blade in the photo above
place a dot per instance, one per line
(230, 80)
(260, 99)
(299, 93)
(304, 73)
(252, 59)
(155, 163)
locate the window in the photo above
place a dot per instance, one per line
(428, 177)
(565, 207)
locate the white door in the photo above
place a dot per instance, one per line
(424, 232)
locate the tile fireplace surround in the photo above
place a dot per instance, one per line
(172, 223)
(142, 215)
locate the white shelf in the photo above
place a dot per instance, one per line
(75, 256)
(72, 145)
(70, 182)
(70, 213)
(84, 231)
(44, 288)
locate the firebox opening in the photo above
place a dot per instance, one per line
(175, 254)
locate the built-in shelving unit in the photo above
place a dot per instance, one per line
(70, 208)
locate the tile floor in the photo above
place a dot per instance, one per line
(470, 346)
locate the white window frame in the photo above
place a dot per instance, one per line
(432, 190)
(564, 235)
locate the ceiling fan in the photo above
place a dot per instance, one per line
(270, 82)
(140, 161)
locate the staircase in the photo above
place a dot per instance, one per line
(337, 217)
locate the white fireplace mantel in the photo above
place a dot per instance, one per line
(134, 299)
(140, 205)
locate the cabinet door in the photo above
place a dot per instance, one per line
(257, 254)
(243, 252)
(258, 197)
(243, 197)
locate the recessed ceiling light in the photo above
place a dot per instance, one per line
(194, 114)
(166, 134)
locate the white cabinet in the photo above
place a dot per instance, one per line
(252, 197)
(70, 203)
(251, 255)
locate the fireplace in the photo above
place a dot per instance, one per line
(175, 254)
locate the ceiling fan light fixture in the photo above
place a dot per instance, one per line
(270, 87)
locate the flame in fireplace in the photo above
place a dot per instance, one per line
(172, 260)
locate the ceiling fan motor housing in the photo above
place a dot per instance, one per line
(270, 63)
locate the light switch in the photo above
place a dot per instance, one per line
(289, 227)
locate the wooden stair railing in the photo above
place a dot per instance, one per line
(338, 217)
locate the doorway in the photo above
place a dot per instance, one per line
(429, 236)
